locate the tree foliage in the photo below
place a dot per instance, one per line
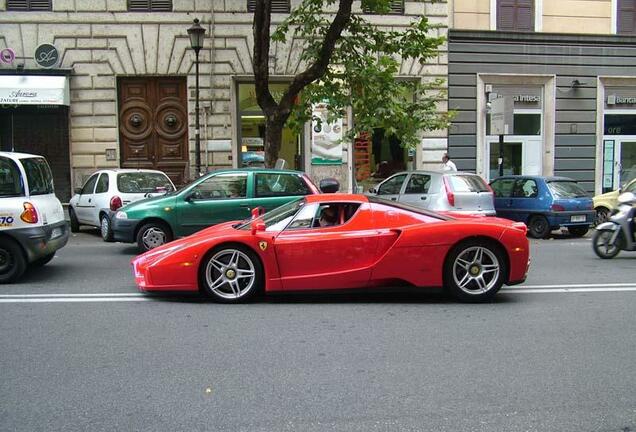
(351, 62)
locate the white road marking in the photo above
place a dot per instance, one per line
(139, 297)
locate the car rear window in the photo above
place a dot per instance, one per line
(10, 179)
(38, 176)
(143, 182)
(566, 189)
(468, 183)
(407, 207)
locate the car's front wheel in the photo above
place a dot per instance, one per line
(538, 226)
(105, 228)
(75, 226)
(474, 271)
(12, 261)
(602, 215)
(152, 235)
(231, 274)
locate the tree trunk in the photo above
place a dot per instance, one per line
(273, 139)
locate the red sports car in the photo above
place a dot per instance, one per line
(333, 241)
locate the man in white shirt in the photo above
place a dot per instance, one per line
(447, 164)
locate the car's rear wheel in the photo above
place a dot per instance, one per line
(578, 231)
(43, 261)
(603, 246)
(602, 215)
(231, 274)
(12, 261)
(474, 271)
(105, 228)
(152, 235)
(538, 226)
(75, 226)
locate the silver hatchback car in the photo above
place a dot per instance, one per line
(443, 191)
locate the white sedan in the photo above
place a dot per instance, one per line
(109, 189)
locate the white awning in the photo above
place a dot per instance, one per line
(34, 90)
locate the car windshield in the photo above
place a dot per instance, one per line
(10, 179)
(143, 182)
(38, 175)
(566, 189)
(277, 219)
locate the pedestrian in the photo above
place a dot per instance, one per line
(447, 164)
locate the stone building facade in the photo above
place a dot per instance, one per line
(130, 82)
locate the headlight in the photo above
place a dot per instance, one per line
(121, 215)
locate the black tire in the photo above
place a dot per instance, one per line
(12, 261)
(42, 261)
(601, 244)
(105, 228)
(152, 235)
(538, 227)
(465, 266)
(578, 231)
(75, 226)
(602, 215)
(231, 288)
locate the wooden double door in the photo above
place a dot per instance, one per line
(153, 125)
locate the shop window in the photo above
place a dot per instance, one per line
(252, 132)
(29, 5)
(524, 124)
(626, 17)
(278, 6)
(150, 5)
(395, 8)
(515, 15)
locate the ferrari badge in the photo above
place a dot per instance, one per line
(262, 245)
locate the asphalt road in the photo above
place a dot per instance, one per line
(536, 359)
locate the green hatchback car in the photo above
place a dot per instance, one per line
(219, 196)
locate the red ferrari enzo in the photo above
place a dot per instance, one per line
(333, 241)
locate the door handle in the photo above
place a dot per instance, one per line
(393, 199)
(90, 200)
(246, 206)
(423, 198)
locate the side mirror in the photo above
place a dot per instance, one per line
(373, 190)
(258, 226)
(257, 211)
(329, 185)
(78, 191)
(189, 197)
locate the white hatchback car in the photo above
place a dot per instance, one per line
(32, 224)
(109, 189)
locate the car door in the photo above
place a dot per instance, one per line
(391, 188)
(417, 190)
(271, 189)
(100, 197)
(524, 199)
(85, 203)
(502, 189)
(215, 199)
(325, 257)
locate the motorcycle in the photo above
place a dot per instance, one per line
(617, 234)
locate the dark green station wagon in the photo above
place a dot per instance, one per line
(219, 196)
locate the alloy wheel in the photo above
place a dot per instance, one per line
(476, 270)
(153, 237)
(230, 274)
(105, 227)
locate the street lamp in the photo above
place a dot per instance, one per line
(196, 34)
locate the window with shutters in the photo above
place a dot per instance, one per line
(150, 5)
(626, 17)
(515, 15)
(396, 8)
(29, 5)
(278, 6)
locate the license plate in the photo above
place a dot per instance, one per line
(57, 232)
(577, 218)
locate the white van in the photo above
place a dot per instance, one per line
(32, 224)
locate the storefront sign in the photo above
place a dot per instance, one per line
(34, 90)
(620, 100)
(526, 98)
(326, 138)
(608, 164)
(7, 56)
(46, 55)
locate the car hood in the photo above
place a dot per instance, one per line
(606, 196)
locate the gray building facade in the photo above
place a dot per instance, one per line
(574, 104)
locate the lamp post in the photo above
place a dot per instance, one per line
(196, 34)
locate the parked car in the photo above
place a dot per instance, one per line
(32, 224)
(544, 203)
(109, 189)
(217, 197)
(288, 250)
(440, 191)
(606, 203)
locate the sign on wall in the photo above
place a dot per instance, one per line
(326, 138)
(46, 55)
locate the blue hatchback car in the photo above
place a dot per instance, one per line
(544, 203)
